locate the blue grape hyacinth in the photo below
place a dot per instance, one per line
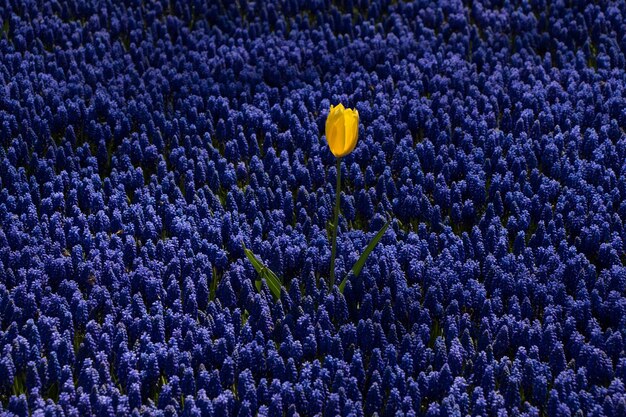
(145, 144)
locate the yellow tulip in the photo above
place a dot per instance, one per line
(342, 130)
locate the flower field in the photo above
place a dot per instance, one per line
(146, 143)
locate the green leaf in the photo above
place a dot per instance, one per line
(342, 286)
(356, 268)
(265, 273)
(253, 260)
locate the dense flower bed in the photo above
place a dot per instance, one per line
(143, 142)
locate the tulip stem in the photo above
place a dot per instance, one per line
(335, 225)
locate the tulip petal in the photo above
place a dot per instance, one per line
(338, 138)
(335, 132)
(352, 130)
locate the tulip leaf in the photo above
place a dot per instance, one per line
(273, 282)
(356, 268)
(343, 283)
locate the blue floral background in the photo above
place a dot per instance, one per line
(144, 142)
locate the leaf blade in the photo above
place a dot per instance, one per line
(273, 282)
(258, 266)
(360, 263)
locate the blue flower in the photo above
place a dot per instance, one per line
(140, 151)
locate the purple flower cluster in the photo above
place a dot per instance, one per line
(144, 142)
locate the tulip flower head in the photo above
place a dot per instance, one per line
(342, 130)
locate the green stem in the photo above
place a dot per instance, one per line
(335, 225)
